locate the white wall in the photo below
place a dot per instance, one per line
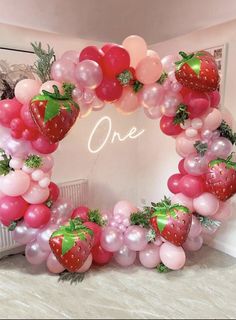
(157, 156)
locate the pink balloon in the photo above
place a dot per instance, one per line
(34, 254)
(15, 183)
(227, 116)
(193, 244)
(153, 112)
(150, 256)
(170, 104)
(175, 86)
(85, 109)
(195, 164)
(61, 211)
(53, 265)
(124, 208)
(97, 104)
(151, 95)
(124, 256)
(221, 147)
(12, 208)
(152, 53)
(86, 266)
(191, 186)
(168, 63)
(173, 257)
(181, 199)
(48, 86)
(44, 236)
(15, 148)
(149, 70)
(191, 132)
(77, 93)
(128, 102)
(111, 239)
(26, 89)
(27, 118)
(214, 98)
(135, 238)
(181, 167)
(213, 120)
(37, 216)
(9, 110)
(206, 204)
(185, 145)
(43, 145)
(224, 212)
(88, 74)
(195, 229)
(136, 47)
(23, 234)
(47, 164)
(63, 71)
(36, 194)
(88, 96)
(71, 55)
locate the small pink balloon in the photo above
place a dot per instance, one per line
(15, 148)
(150, 256)
(44, 183)
(195, 164)
(9, 110)
(172, 257)
(213, 120)
(124, 256)
(124, 208)
(71, 55)
(181, 199)
(191, 132)
(88, 96)
(128, 102)
(168, 63)
(48, 86)
(221, 147)
(149, 70)
(53, 265)
(87, 264)
(77, 93)
(34, 254)
(35, 194)
(224, 212)
(206, 204)
(26, 89)
(153, 112)
(196, 123)
(185, 145)
(37, 175)
(135, 238)
(85, 109)
(97, 104)
(24, 234)
(16, 163)
(151, 95)
(88, 74)
(44, 235)
(27, 117)
(170, 104)
(175, 86)
(111, 239)
(15, 183)
(195, 228)
(193, 244)
(63, 71)
(136, 47)
(47, 164)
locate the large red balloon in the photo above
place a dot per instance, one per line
(109, 90)
(12, 208)
(91, 53)
(101, 256)
(168, 127)
(191, 186)
(173, 183)
(115, 61)
(107, 46)
(37, 215)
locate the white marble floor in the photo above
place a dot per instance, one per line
(206, 288)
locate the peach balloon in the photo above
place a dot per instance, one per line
(213, 120)
(26, 89)
(185, 145)
(36, 194)
(173, 257)
(48, 86)
(206, 204)
(136, 47)
(15, 183)
(128, 102)
(183, 200)
(149, 70)
(152, 53)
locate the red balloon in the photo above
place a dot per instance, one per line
(37, 215)
(91, 53)
(30, 134)
(173, 183)
(191, 186)
(107, 46)
(97, 231)
(115, 61)
(181, 167)
(12, 208)
(54, 191)
(16, 134)
(9, 109)
(101, 256)
(168, 127)
(17, 124)
(109, 90)
(43, 145)
(80, 212)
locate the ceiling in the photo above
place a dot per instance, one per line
(113, 20)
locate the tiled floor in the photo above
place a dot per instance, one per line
(206, 288)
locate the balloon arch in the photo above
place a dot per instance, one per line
(180, 90)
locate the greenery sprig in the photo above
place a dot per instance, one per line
(137, 86)
(141, 218)
(181, 114)
(207, 222)
(72, 277)
(201, 147)
(95, 216)
(4, 163)
(162, 78)
(33, 161)
(227, 132)
(161, 268)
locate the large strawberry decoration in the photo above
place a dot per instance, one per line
(71, 244)
(54, 113)
(197, 71)
(171, 221)
(221, 178)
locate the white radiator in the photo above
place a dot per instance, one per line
(76, 191)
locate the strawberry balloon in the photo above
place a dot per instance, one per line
(172, 222)
(197, 71)
(54, 113)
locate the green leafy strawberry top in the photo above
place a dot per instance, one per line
(125, 77)
(228, 162)
(164, 210)
(56, 100)
(71, 233)
(192, 60)
(33, 161)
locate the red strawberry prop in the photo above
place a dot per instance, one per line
(71, 244)
(54, 113)
(172, 222)
(197, 71)
(221, 178)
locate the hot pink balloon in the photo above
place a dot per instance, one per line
(36, 194)
(195, 229)
(88, 74)
(124, 256)
(15, 183)
(185, 145)
(136, 47)
(23, 234)
(149, 70)
(9, 110)
(12, 208)
(128, 102)
(135, 238)
(34, 254)
(224, 212)
(87, 264)
(63, 71)
(44, 236)
(214, 98)
(124, 208)
(43, 145)
(150, 256)
(170, 104)
(27, 118)
(48, 86)
(37, 216)
(206, 204)
(53, 265)
(151, 95)
(213, 120)
(191, 186)
(181, 167)
(153, 112)
(111, 239)
(182, 199)
(173, 257)
(173, 183)
(193, 244)
(26, 89)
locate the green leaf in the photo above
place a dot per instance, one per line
(59, 232)
(195, 65)
(68, 242)
(52, 110)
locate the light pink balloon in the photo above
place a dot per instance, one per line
(152, 53)
(87, 264)
(44, 235)
(88, 74)
(227, 116)
(170, 104)
(213, 120)
(181, 199)
(48, 163)
(61, 211)
(16, 163)
(172, 257)
(128, 102)
(48, 86)
(36, 194)
(135, 238)
(153, 112)
(34, 254)
(85, 109)
(23, 234)
(195, 164)
(196, 123)
(111, 239)
(175, 86)
(150, 256)
(63, 71)
(185, 145)
(191, 132)
(71, 55)
(15, 183)
(168, 63)
(37, 175)
(224, 212)
(26, 89)
(15, 148)
(53, 265)
(151, 95)
(206, 204)
(97, 104)
(195, 228)
(149, 70)
(124, 256)
(124, 208)
(88, 96)
(77, 93)
(136, 47)
(221, 147)
(193, 244)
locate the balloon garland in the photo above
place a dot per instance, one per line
(182, 92)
